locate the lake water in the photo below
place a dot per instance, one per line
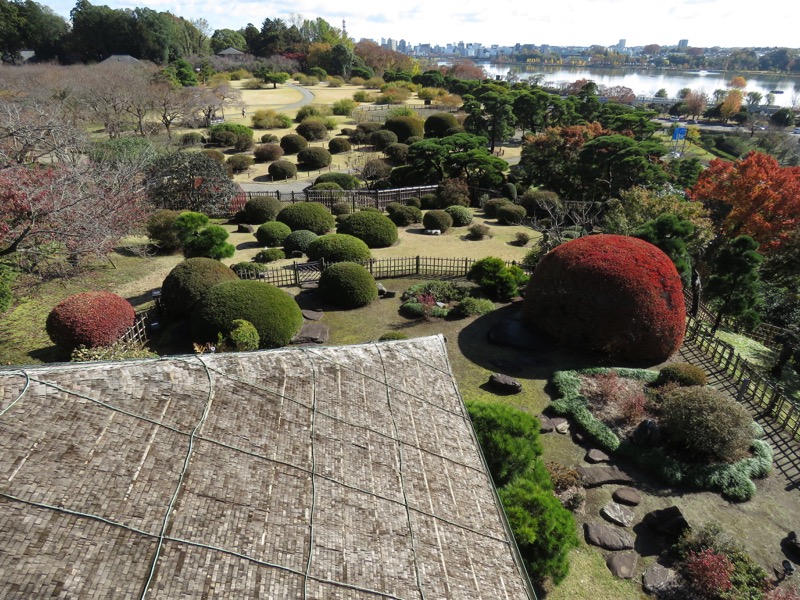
(648, 82)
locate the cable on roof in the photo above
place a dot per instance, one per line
(312, 435)
(24, 373)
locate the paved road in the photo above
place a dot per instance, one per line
(308, 98)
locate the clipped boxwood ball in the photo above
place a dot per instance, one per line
(293, 143)
(348, 285)
(261, 210)
(312, 216)
(189, 281)
(338, 247)
(406, 215)
(282, 169)
(314, 158)
(437, 219)
(298, 241)
(461, 215)
(617, 295)
(269, 255)
(89, 319)
(511, 214)
(375, 229)
(272, 234)
(273, 312)
(339, 145)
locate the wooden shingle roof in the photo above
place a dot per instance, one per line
(347, 472)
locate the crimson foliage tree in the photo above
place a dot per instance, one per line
(89, 319)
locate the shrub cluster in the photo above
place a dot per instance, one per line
(282, 169)
(269, 255)
(348, 285)
(314, 158)
(272, 234)
(608, 293)
(270, 138)
(404, 127)
(461, 215)
(199, 238)
(267, 152)
(193, 138)
(338, 247)
(242, 338)
(478, 231)
(510, 214)
(119, 350)
(490, 207)
(406, 215)
(438, 125)
(313, 129)
(311, 216)
(683, 374)
(261, 209)
(437, 219)
(498, 280)
(471, 307)
(344, 180)
(312, 110)
(382, 138)
(293, 143)
(274, 313)
(338, 145)
(415, 202)
(89, 319)
(375, 229)
(231, 134)
(344, 107)
(298, 241)
(161, 231)
(239, 163)
(396, 153)
(245, 270)
(188, 281)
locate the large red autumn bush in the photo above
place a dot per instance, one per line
(609, 293)
(89, 319)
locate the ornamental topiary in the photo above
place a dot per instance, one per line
(312, 216)
(406, 215)
(298, 241)
(439, 124)
(273, 312)
(348, 285)
(313, 129)
(437, 219)
(490, 207)
(161, 231)
(381, 139)
(510, 214)
(608, 293)
(396, 153)
(261, 210)
(267, 152)
(282, 169)
(340, 208)
(188, 281)
(242, 338)
(314, 158)
(339, 145)
(404, 127)
(239, 163)
(293, 143)
(461, 215)
(269, 255)
(684, 374)
(272, 234)
(375, 229)
(344, 180)
(498, 280)
(89, 319)
(338, 247)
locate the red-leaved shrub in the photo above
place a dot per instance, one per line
(609, 293)
(89, 319)
(708, 574)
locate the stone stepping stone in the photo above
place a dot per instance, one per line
(596, 476)
(623, 564)
(546, 425)
(560, 424)
(627, 496)
(312, 332)
(618, 514)
(245, 228)
(595, 456)
(313, 315)
(657, 578)
(309, 285)
(504, 384)
(607, 536)
(669, 521)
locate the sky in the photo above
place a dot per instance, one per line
(705, 23)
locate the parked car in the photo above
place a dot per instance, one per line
(797, 130)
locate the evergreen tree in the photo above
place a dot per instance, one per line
(734, 285)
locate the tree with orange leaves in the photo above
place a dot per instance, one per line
(755, 197)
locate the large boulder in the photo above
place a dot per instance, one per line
(612, 294)
(607, 536)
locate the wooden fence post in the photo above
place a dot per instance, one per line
(296, 274)
(417, 272)
(776, 395)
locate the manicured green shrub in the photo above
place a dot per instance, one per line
(340, 208)
(478, 231)
(193, 138)
(267, 152)
(293, 143)
(406, 215)
(282, 169)
(344, 107)
(239, 163)
(242, 338)
(311, 216)
(272, 234)
(510, 214)
(269, 119)
(313, 129)
(338, 145)
(215, 155)
(543, 529)
(231, 134)
(437, 219)
(510, 192)
(496, 279)
(348, 285)
(199, 238)
(188, 281)
(429, 202)
(161, 231)
(312, 110)
(298, 241)
(89, 319)
(314, 158)
(248, 270)
(391, 207)
(706, 425)
(415, 202)
(392, 335)
(438, 125)
(490, 207)
(119, 350)
(522, 238)
(470, 307)
(338, 247)
(274, 313)
(684, 374)
(439, 291)
(375, 229)
(613, 294)
(404, 127)
(344, 180)
(412, 310)
(509, 439)
(269, 255)
(382, 138)
(270, 138)
(453, 192)
(461, 215)
(396, 153)
(262, 209)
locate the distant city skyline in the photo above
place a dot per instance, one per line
(704, 23)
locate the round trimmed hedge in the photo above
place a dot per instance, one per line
(406, 215)
(282, 169)
(683, 374)
(189, 281)
(312, 216)
(272, 234)
(313, 129)
(375, 229)
(437, 219)
(273, 312)
(292, 143)
(348, 285)
(338, 247)
(405, 127)
(461, 215)
(609, 293)
(314, 158)
(89, 319)
(490, 207)
(261, 210)
(268, 152)
(339, 145)
(298, 241)
(341, 208)
(511, 214)
(382, 138)
(438, 125)
(344, 180)
(269, 255)
(396, 153)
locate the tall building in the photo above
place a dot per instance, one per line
(621, 45)
(683, 44)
